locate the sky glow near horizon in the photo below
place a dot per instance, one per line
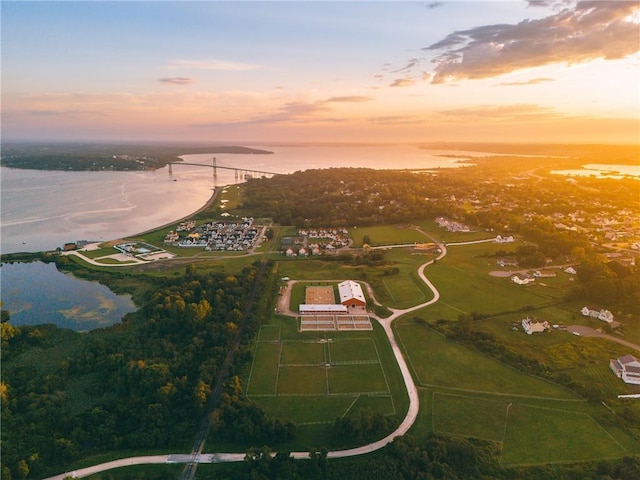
(382, 71)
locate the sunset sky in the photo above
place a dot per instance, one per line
(382, 71)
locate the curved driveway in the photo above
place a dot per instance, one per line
(410, 418)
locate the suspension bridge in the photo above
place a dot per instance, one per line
(240, 173)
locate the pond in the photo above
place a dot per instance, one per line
(36, 293)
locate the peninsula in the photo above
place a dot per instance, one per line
(107, 156)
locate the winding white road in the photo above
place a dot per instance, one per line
(409, 419)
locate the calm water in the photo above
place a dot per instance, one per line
(603, 171)
(37, 293)
(42, 210)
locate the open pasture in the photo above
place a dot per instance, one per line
(318, 379)
(535, 435)
(528, 434)
(349, 351)
(387, 235)
(470, 417)
(437, 361)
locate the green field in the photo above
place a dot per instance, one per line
(537, 435)
(457, 415)
(437, 361)
(315, 378)
(387, 235)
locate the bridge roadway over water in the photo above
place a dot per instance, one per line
(215, 166)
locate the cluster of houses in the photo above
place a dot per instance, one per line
(451, 225)
(338, 237)
(219, 236)
(602, 314)
(501, 239)
(315, 242)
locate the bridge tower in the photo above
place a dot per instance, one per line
(236, 172)
(170, 169)
(215, 168)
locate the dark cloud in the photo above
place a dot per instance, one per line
(176, 80)
(533, 81)
(433, 5)
(585, 31)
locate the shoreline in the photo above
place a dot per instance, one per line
(208, 203)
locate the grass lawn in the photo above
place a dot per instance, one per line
(302, 353)
(302, 380)
(469, 417)
(354, 350)
(264, 380)
(363, 378)
(387, 235)
(308, 409)
(538, 435)
(441, 362)
(296, 383)
(269, 333)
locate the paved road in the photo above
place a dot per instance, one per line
(592, 332)
(403, 428)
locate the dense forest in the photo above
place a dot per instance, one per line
(145, 383)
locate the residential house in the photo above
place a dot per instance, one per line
(530, 326)
(627, 368)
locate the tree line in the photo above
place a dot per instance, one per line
(141, 384)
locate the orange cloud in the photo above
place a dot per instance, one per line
(583, 32)
(403, 82)
(533, 81)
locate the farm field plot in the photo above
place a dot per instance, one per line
(387, 235)
(467, 416)
(348, 350)
(438, 361)
(540, 435)
(315, 380)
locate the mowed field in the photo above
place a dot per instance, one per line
(316, 377)
(465, 393)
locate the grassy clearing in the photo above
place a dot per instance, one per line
(299, 353)
(365, 378)
(269, 333)
(441, 362)
(308, 409)
(302, 380)
(538, 436)
(355, 350)
(458, 415)
(362, 374)
(387, 235)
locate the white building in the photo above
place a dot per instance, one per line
(532, 326)
(351, 294)
(627, 368)
(322, 309)
(521, 279)
(604, 315)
